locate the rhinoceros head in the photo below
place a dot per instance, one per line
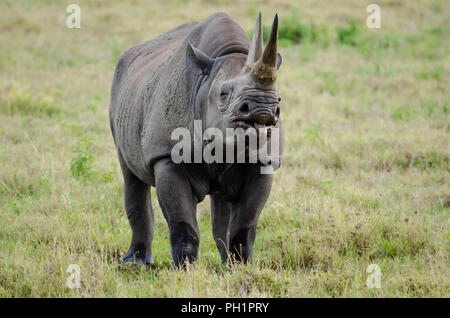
(241, 90)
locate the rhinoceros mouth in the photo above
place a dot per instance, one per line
(259, 128)
(250, 124)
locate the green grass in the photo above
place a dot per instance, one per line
(22, 103)
(364, 180)
(290, 31)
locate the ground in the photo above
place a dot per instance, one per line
(364, 180)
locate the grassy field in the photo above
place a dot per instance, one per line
(365, 177)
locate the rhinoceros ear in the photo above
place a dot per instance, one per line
(197, 61)
(279, 60)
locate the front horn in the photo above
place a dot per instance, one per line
(265, 69)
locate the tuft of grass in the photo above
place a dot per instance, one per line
(116, 52)
(433, 72)
(368, 42)
(402, 113)
(348, 35)
(291, 31)
(24, 104)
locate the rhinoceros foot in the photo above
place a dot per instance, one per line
(137, 255)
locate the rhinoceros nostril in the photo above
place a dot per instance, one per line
(244, 108)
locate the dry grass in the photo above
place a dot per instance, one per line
(365, 178)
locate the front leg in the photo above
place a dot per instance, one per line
(220, 219)
(178, 203)
(245, 212)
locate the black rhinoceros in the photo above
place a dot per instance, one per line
(201, 71)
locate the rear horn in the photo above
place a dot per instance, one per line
(256, 47)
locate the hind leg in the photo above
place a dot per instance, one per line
(140, 216)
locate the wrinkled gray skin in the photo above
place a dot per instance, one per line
(195, 71)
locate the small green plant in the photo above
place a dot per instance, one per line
(428, 160)
(15, 207)
(331, 84)
(312, 134)
(81, 163)
(96, 99)
(107, 177)
(430, 105)
(294, 30)
(348, 35)
(402, 113)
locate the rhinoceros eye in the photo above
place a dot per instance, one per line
(223, 96)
